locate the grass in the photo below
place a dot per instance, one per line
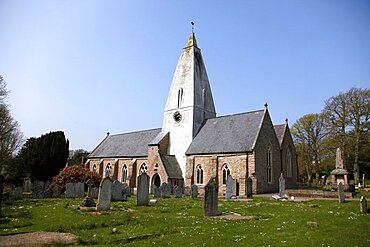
(180, 222)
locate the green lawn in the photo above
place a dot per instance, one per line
(180, 222)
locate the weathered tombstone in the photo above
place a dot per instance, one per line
(281, 186)
(70, 190)
(47, 192)
(27, 185)
(166, 190)
(126, 191)
(211, 198)
(94, 192)
(117, 191)
(156, 191)
(105, 194)
(56, 191)
(194, 191)
(249, 182)
(18, 192)
(2, 181)
(88, 201)
(79, 190)
(178, 192)
(341, 193)
(363, 205)
(142, 194)
(229, 187)
(363, 180)
(38, 189)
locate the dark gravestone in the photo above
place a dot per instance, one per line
(105, 194)
(229, 187)
(126, 190)
(281, 186)
(211, 198)
(94, 192)
(156, 191)
(363, 205)
(88, 201)
(194, 191)
(48, 193)
(38, 189)
(166, 190)
(142, 195)
(341, 196)
(2, 181)
(70, 190)
(18, 192)
(117, 191)
(79, 190)
(56, 191)
(249, 185)
(178, 192)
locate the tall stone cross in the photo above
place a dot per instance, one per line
(338, 159)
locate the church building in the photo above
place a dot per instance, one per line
(194, 144)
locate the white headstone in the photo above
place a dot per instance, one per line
(341, 195)
(363, 205)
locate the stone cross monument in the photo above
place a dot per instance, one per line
(339, 174)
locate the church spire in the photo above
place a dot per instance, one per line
(192, 41)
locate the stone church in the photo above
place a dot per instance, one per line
(194, 144)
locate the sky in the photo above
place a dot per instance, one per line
(92, 67)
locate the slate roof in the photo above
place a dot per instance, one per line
(280, 131)
(132, 144)
(158, 138)
(171, 165)
(228, 134)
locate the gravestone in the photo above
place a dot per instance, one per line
(156, 191)
(281, 186)
(341, 193)
(363, 205)
(70, 190)
(249, 182)
(2, 181)
(142, 194)
(27, 185)
(38, 189)
(56, 192)
(117, 191)
(18, 192)
(194, 191)
(94, 192)
(126, 191)
(105, 194)
(211, 198)
(79, 190)
(166, 190)
(229, 187)
(47, 192)
(178, 192)
(88, 201)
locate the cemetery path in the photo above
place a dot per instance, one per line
(38, 239)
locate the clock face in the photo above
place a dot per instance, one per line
(177, 117)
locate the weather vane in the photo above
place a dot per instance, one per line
(192, 27)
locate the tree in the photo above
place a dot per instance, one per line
(79, 157)
(309, 133)
(42, 158)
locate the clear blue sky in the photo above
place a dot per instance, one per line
(88, 67)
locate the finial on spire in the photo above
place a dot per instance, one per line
(286, 120)
(108, 133)
(266, 105)
(192, 27)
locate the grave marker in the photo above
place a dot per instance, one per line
(117, 191)
(211, 198)
(341, 193)
(229, 187)
(18, 192)
(142, 194)
(178, 192)
(281, 186)
(249, 182)
(166, 190)
(194, 191)
(363, 205)
(105, 194)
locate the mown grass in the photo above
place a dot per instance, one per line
(180, 222)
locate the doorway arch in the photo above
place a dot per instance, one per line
(156, 180)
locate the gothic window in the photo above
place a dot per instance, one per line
(156, 168)
(199, 174)
(269, 166)
(124, 173)
(225, 173)
(94, 168)
(108, 170)
(143, 168)
(289, 163)
(180, 95)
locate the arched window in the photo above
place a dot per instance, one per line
(143, 168)
(269, 166)
(156, 168)
(199, 174)
(94, 168)
(180, 95)
(108, 170)
(225, 173)
(289, 163)
(124, 173)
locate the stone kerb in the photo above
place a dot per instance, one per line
(211, 198)
(142, 195)
(105, 194)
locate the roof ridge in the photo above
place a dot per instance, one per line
(240, 113)
(136, 131)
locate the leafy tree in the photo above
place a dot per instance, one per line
(79, 157)
(43, 157)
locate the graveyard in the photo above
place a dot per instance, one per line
(181, 222)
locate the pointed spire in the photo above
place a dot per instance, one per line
(192, 41)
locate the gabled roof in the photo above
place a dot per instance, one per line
(132, 144)
(280, 131)
(171, 165)
(228, 134)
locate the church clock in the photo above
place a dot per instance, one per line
(177, 117)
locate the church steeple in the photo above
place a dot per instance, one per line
(189, 101)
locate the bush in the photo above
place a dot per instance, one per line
(73, 174)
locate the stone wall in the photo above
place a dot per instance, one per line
(291, 181)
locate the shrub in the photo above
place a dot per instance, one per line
(73, 174)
